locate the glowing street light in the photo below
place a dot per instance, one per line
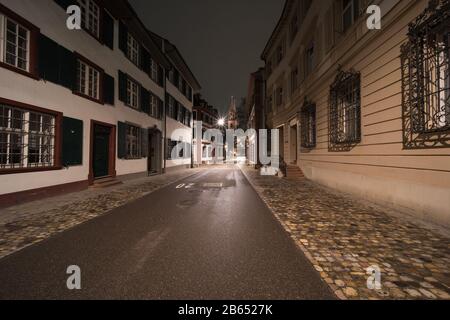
(221, 122)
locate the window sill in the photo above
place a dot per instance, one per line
(29, 170)
(82, 95)
(20, 71)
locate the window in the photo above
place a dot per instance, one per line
(308, 125)
(154, 71)
(154, 106)
(171, 145)
(279, 96)
(132, 94)
(90, 16)
(294, 79)
(27, 138)
(88, 80)
(280, 53)
(14, 44)
(345, 111)
(133, 49)
(187, 118)
(426, 81)
(350, 12)
(133, 142)
(171, 106)
(270, 103)
(309, 56)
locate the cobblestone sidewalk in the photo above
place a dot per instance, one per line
(27, 224)
(343, 237)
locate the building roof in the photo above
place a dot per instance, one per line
(177, 59)
(123, 10)
(280, 25)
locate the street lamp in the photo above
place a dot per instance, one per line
(221, 122)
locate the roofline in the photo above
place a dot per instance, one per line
(277, 27)
(165, 61)
(177, 51)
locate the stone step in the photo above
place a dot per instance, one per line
(294, 173)
(105, 183)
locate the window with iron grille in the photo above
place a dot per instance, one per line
(426, 79)
(14, 44)
(27, 138)
(345, 111)
(90, 16)
(308, 125)
(133, 142)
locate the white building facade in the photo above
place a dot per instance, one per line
(77, 106)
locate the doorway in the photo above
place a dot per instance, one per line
(102, 155)
(293, 145)
(154, 151)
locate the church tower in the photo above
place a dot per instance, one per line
(232, 117)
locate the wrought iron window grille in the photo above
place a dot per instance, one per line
(426, 79)
(308, 125)
(345, 112)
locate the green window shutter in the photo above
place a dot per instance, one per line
(145, 100)
(122, 140)
(160, 76)
(107, 30)
(160, 109)
(48, 59)
(123, 37)
(144, 143)
(72, 144)
(122, 86)
(67, 68)
(145, 61)
(108, 89)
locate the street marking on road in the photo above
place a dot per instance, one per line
(213, 185)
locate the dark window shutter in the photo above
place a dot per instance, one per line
(108, 30)
(160, 109)
(145, 61)
(72, 144)
(144, 143)
(121, 140)
(67, 68)
(108, 89)
(122, 86)
(123, 37)
(160, 76)
(66, 3)
(48, 59)
(145, 100)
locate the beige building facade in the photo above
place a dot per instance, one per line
(365, 111)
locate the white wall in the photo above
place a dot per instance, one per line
(51, 19)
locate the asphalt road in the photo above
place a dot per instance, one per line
(207, 237)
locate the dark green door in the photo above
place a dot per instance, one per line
(101, 151)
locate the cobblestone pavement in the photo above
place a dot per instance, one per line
(27, 224)
(342, 237)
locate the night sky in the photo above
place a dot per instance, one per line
(221, 40)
